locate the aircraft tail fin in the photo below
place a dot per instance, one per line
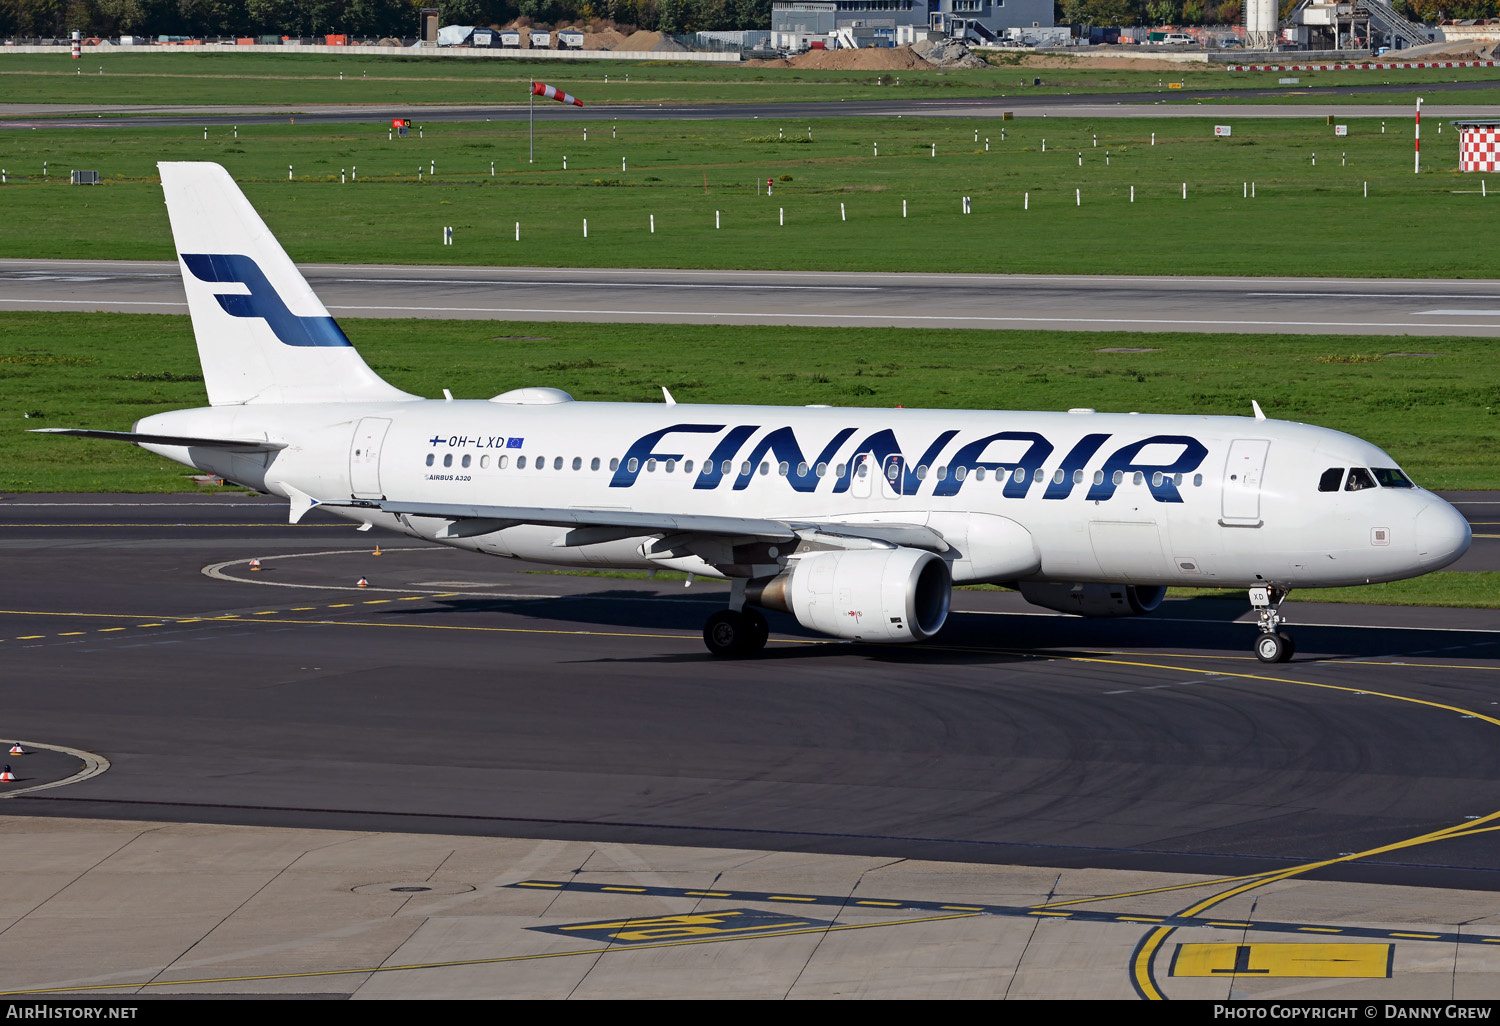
(263, 335)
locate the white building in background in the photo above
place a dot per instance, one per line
(796, 24)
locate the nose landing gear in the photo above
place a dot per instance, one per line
(1274, 645)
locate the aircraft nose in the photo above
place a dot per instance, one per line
(1442, 534)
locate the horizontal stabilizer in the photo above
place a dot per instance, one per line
(142, 438)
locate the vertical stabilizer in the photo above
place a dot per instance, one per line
(263, 335)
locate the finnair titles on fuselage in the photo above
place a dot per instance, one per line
(856, 521)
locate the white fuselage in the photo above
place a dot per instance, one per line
(1142, 499)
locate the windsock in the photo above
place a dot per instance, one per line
(553, 93)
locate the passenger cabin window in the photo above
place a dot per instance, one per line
(520, 462)
(1359, 479)
(429, 459)
(1331, 479)
(1390, 477)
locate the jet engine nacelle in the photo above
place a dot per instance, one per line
(1094, 599)
(886, 595)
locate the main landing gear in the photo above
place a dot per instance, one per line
(1273, 645)
(737, 632)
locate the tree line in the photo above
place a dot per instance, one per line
(400, 17)
(358, 17)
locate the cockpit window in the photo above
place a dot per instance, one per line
(1359, 478)
(1331, 479)
(1390, 477)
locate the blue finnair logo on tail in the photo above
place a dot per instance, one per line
(263, 300)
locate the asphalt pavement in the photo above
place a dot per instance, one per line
(854, 299)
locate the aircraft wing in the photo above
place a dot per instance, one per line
(472, 520)
(237, 444)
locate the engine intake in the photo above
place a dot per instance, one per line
(882, 595)
(1094, 599)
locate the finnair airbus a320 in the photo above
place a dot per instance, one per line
(858, 522)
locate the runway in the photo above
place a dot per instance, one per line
(1219, 104)
(1070, 302)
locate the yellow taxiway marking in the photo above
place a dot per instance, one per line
(708, 894)
(1146, 952)
(498, 960)
(1328, 961)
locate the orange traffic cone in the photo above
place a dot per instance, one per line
(255, 564)
(363, 583)
(377, 549)
(16, 749)
(6, 774)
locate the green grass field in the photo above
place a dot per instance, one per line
(1436, 414)
(302, 81)
(1478, 589)
(1310, 214)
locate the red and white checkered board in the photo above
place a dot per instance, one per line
(1477, 149)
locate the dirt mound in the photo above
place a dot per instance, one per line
(882, 58)
(603, 39)
(640, 42)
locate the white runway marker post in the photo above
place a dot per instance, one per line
(653, 224)
(1184, 190)
(585, 227)
(716, 219)
(934, 149)
(1132, 194)
(781, 215)
(518, 231)
(842, 215)
(903, 208)
(1025, 201)
(1078, 197)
